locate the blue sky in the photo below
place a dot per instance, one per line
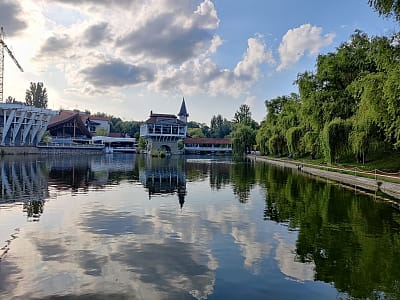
(127, 57)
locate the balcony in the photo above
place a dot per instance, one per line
(151, 130)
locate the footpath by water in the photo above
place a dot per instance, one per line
(373, 185)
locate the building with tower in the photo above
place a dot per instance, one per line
(163, 131)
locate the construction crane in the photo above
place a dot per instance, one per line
(3, 46)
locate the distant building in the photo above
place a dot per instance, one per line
(22, 125)
(163, 131)
(68, 125)
(77, 125)
(95, 124)
(208, 145)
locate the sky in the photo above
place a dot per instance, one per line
(129, 57)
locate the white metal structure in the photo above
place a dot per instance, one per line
(3, 46)
(22, 125)
(113, 145)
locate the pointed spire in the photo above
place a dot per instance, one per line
(183, 111)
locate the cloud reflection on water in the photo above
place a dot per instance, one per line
(103, 241)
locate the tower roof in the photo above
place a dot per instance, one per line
(183, 111)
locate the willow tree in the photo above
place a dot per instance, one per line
(243, 139)
(335, 139)
(283, 113)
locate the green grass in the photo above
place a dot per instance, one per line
(388, 161)
(385, 161)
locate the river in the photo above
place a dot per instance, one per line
(133, 227)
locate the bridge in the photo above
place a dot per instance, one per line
(208, 145)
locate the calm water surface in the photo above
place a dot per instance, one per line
(129, 227)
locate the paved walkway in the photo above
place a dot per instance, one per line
(391, 189)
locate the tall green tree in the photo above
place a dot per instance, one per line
(36, 95)
(220, 127)
(283, 113)
(243, 116)
(243, 139)
(244, 132)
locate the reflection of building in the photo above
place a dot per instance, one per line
(163, 131)
(164, 176)
(22, 125)
(79, 172)
(24, 180)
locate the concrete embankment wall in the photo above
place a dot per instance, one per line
(5, 150)
(49, 150)
(391, 189)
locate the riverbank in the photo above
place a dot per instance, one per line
(369, 184)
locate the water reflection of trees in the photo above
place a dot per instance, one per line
(352, 239)
(216, 170)
(243, 179)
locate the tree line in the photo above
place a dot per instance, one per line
(349, 107)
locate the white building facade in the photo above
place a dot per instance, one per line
(22, 125)
(163, 131)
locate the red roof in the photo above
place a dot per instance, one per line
(163, 119)
(98, 118)
(215, 141)
(62, 117)
(67, 114)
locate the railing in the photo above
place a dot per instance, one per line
(161, 130)
(208, 149)
(69, 145)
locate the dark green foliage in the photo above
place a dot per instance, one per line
(348, 107)
(196, 133)
(293, 139)
(203, 129)
(277, 145)
(244, 132)
(244, 138)
(310, 144)
(220, 127)
(283, 113)
(36, 95)
(386, 8)
(131, 128)
(243, 116)
(335, 139)
(142, 144)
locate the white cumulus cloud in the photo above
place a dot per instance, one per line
(299, 40)
(202, 75)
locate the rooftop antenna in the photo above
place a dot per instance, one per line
(3, 46)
